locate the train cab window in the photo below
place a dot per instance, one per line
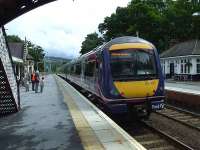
(90, 69)
(133, 64)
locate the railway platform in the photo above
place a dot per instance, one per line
(61, 118)
(183, 94)
(184, 87)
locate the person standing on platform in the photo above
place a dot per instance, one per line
(33, 80)
(37, 80)
(41, 84)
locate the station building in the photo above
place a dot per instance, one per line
(182, 61)
(22, 61)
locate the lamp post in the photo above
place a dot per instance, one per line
(196, 21)
(196, 17)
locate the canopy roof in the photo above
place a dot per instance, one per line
(17, 60)
(11, 9)
(191, 47)
(17, 50)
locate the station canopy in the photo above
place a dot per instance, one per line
(11, 9)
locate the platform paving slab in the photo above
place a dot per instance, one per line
(44, 122)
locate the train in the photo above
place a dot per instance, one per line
(124, 73)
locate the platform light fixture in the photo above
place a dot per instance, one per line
(196, 14)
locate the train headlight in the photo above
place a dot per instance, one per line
(161, 89)
(114, 92)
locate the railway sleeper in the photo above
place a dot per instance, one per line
(182, 117)
(191, 120)
(175, 115)
(196, 124)
(164, 148)
(178, 115)
(154, 143)
(146, 137)
(170, 114)
(167, 112)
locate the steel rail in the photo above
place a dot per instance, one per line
(181, 111)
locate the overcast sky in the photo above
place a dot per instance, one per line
(60, 27)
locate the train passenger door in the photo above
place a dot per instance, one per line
(82, 73)
(96, 75)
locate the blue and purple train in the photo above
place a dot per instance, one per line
(124, 73)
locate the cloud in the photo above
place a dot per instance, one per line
(60, 27)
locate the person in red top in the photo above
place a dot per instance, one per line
(33, 80)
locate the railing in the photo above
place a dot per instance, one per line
(9, 93)
(13, 70)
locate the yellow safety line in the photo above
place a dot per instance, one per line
(86, 134)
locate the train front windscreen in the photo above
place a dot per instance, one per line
(133, 64)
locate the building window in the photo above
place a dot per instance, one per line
(181, 68)
(188, 69)
(198, 68)
(185, 66)
(188, 64)
(198, 65)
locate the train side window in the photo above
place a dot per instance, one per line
(97, 65)
(78, 69)
(73, 69)
(68, 70)
(89, 69)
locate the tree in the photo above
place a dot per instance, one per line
(13, 38)
(140, 16)
(115, 25)
(91, 41)
(36, 52)
(157, 21)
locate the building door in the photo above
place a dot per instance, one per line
(171, 69)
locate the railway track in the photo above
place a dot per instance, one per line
(150, 137)
(184, 117)
(154, 139)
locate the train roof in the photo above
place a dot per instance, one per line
(119, 40)
(127, 39)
